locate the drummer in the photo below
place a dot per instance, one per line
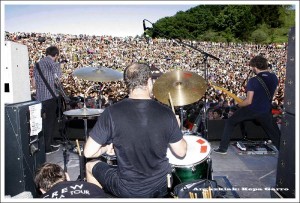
(138, 130)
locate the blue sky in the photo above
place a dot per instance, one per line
(117, 20)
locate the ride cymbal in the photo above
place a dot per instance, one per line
(98, 74)
(185, 87)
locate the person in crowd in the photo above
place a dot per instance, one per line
(50, 69)
(217, 114)
(257, 105)
(138, 130)
(231, 111)
(53, 182)
(210, 113)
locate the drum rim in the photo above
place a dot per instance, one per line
(191, 165)
(196, 163)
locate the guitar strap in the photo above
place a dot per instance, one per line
(264, 86)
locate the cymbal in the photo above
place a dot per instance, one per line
(83, 112)
(185, 87)
(98, 74)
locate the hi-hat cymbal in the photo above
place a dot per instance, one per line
(98, 74)
(83, 112)
(184, 87)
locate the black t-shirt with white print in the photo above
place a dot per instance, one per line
(75, 189)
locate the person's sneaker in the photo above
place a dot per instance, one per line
(219, 151)
(53, 149)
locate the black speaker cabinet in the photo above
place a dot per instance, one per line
(24, 150)
(289, 92)
(251, 131)
(285, 179)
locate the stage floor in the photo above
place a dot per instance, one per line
(247, 175)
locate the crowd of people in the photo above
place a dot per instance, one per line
(77, 51)
(143, 169)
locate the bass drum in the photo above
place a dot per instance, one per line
(195, 165)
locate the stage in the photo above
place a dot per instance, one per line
(241, 175)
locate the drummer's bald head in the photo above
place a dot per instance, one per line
(136, 75)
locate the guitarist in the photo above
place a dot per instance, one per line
(256, 106)
(47, 68)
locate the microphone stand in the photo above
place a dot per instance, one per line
(205, 56)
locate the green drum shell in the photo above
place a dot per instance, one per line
(195, 171)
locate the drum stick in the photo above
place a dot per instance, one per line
(169, 180)
(171, 102)
(78, 147)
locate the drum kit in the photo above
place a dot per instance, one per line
(95, 74)
(182, 88)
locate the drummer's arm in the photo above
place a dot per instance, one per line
(179, 148)
(93, 150)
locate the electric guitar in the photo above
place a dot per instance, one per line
(230, 94)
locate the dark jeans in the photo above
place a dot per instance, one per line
(50, 122)
(244, 114)
(108, 177)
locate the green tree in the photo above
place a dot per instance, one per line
(230, 23)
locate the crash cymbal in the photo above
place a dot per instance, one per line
(185, 87)
(83, 112)
(98, 74)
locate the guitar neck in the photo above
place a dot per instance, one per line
(230, 94)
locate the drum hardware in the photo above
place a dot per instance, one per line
(83, 113)
(185, 87)
(185, 100)
(179, 88)
(98, 74)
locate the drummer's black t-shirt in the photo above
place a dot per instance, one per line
(141, 131)
(75, 189)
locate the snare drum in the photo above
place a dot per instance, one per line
(196, 164)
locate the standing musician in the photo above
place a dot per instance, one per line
(49, 68)
(139, 130)
(257, 105)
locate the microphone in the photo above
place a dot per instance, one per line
(146, 28)
(144, 25)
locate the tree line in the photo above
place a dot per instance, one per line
(228, 23)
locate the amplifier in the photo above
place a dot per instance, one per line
(24, 146)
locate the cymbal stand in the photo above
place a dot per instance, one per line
(204, 117)
(82, 159)
(101, 87)
(181, 118)
(62, 126)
